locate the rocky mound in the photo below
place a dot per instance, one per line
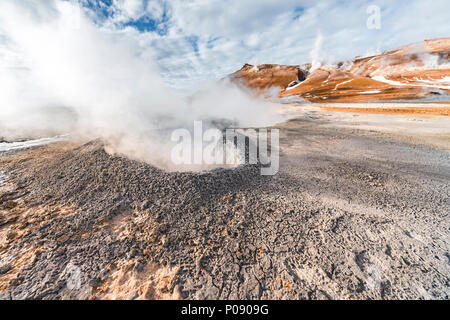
(109, 215)
(265, 76)
(423, 56)
(327, 84)
(76, 222)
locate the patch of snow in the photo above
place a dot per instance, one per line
(18, 145)
(445, 80)
(340, 84)
(294, 86)
(383, 79)
(373, 91)
(426, 83)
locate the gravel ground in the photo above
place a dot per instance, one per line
(350, 215)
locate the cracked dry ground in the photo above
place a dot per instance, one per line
(350, 215)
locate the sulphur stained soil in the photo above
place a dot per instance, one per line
(351, 214)
(408, 111)
(415, 71)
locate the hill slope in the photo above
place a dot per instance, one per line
(413, 71)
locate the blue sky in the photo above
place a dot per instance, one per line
(121, 65)
(197, 41)
(142, 20)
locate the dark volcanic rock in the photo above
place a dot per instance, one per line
(318, 229)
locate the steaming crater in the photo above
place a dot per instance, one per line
(189, 154)
(100, 85)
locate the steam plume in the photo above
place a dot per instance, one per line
(63, 73)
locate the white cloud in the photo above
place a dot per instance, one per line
(129, 9)
(231, 33)
(58, 61)
(202, 40)
(100, 83)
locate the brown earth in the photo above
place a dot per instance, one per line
(333, 85)
(404, 65)
(394, 111)
(267, 75)
(411, 55)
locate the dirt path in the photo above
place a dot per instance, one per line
(351, 214)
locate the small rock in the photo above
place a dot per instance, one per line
(5, 268)
(5, 295)
(133, 295)
(95, 283)
(145, 205)
(10, 204)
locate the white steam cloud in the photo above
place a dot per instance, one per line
(61, 73)
(315, 52)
